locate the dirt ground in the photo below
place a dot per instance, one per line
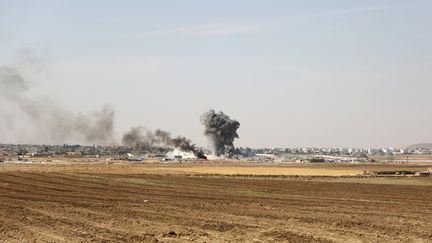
(144, 203)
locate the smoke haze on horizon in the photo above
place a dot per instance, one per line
(28, 120)
(42, 120)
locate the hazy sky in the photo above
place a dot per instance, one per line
(294, 73)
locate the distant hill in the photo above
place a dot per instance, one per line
(420, 145)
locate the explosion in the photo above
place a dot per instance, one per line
(221, 132)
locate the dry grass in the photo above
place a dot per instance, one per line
(186, 169)
(210, 167)
(427, 158)
(402, 181)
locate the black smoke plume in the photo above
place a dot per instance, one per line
(141, 138)
(221, 131)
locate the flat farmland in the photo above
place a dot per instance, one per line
(178, 203)
(218, 167)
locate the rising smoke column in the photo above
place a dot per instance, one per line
(28, 120)
(221, 131)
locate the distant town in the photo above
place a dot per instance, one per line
(24, 152)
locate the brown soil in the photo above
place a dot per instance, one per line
(59, 206)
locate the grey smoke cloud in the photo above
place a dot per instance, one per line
(221, 131)
(41, 120)
(140, 137)
(11, 82)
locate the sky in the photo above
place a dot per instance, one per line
(336, 73)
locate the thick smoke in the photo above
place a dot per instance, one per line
(25, 119)
(141, 138)
(138, 137)
(221, 131)
(28, 120)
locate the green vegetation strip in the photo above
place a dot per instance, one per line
(236, 191)
(395, 172)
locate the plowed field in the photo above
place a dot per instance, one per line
(68, 206)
